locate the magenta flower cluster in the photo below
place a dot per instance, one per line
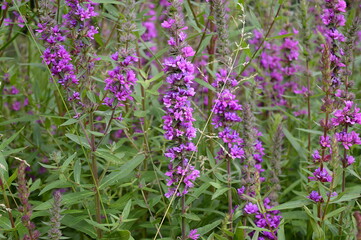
(268, 220)
(178, 121)
(79, 17)
(193, 234)
(226, 115)
(278, 66)
(149, 24)
(16, 104)
(121, 81)
(17, 19)
(56, 56)
(333, 18)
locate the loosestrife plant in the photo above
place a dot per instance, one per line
(180, 119)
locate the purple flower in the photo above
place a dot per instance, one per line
(241, 190)
(315, 196)
(188, 51)
(4, 5)
(226, 115)
(168, 23)
(316, 156)
(291, 47)
(120, 82)
(348, 139)
(325, 141)
(225, 109)
(321, 175)
(251, 208)
(333, 194)
(193, 234)
(277, 63)
(149, 24)
(340, 6)
(189, 175)
(350, 160)
(349, 115)
(332, 18)
(16, 106)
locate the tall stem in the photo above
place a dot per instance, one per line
(308, 108)
(184, 236)
(344, 164)
(230, 200)
(7, 204)
(183, 205)
(94, 168)
(210, 94)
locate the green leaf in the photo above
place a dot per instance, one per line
(78, 224)
(219, 192)
(205, 229)
(26, 118)
(281, 36)
(294, 215)
(91, 96)
(97, 134)
(3, 167)
(69, 122)
(294, 143)
(67, 199)
(79, 140)
(140, 113)
(67, 162)
(254, 228)
(77, 171)
(197, 192)
(56, 184)
(347, 197)
(97, 225)
(291, 205)
(35, 185)
(110, 157)
(192, 216)
(310, 131)
(119, 235)
(126, 210)
(156, 77)
(336, 212)
(126, 169)
(6, 142)
(281, 232)
(205, 84)
(239, 233)
(218, 237)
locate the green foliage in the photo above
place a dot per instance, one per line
(111, 172)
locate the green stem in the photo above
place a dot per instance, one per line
(184, 236)
(94, 168)
(230, 200)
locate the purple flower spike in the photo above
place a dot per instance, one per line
(178, 121)
(121, 81)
